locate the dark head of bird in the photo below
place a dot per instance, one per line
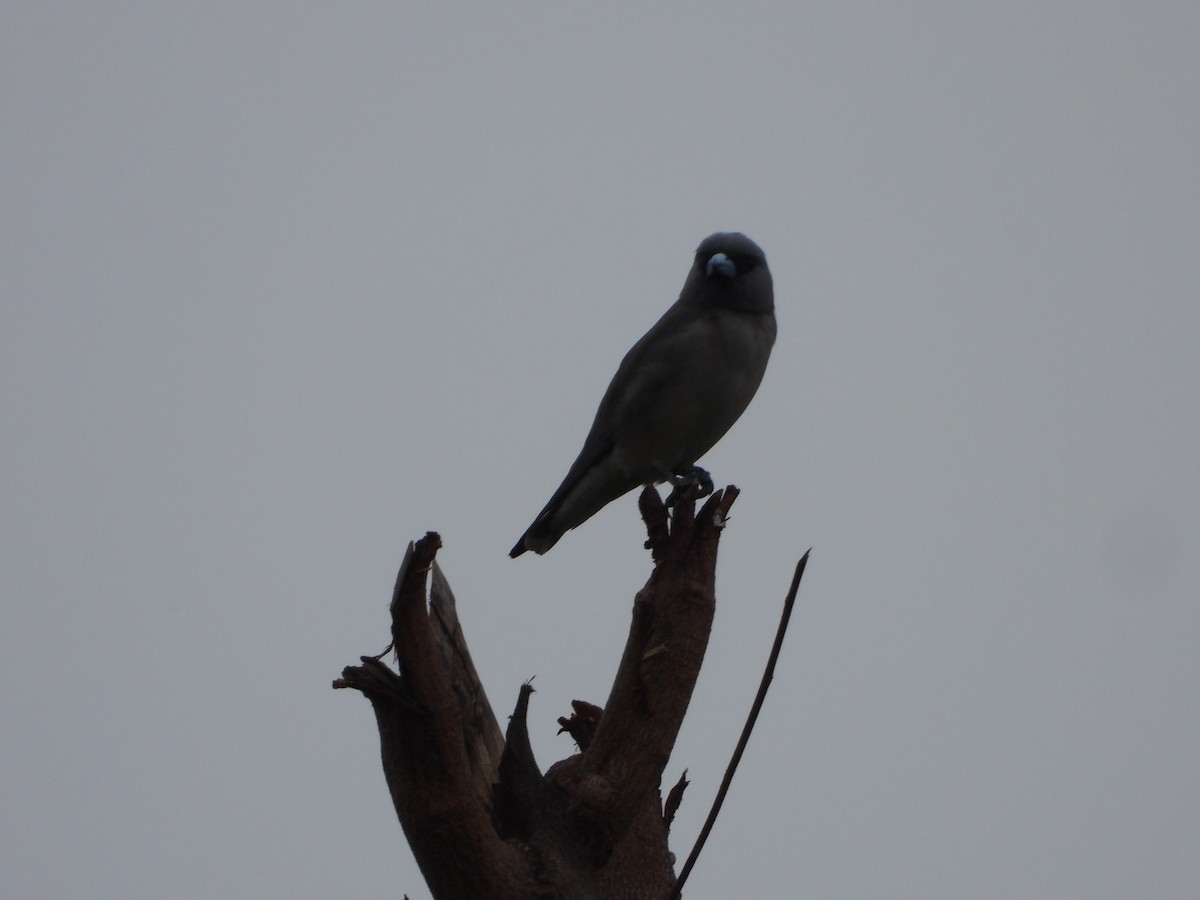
(730, 271)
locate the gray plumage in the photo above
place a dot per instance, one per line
(677, 391)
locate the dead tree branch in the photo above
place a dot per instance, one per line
(744, 739)
(482, 820)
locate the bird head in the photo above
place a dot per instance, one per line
(730, 271)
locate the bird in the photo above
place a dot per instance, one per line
(676, 392)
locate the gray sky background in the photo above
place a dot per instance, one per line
(284, 286)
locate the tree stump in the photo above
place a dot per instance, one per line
(483, 821)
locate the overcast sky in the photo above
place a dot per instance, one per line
(285, 286)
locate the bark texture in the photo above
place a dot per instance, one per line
(483, 821)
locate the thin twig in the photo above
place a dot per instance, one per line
(768, 673)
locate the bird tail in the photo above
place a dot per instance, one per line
(539, 538)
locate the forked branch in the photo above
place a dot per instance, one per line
(482, 819)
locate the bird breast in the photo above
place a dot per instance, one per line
(693, 389)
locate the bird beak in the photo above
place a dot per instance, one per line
(720, 264)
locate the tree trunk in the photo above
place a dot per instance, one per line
(482, 820)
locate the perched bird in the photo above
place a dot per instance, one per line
(677, 391)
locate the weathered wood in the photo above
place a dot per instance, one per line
(482, 820)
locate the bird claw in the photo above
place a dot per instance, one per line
(685, 479)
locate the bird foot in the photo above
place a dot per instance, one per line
(684, 479)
